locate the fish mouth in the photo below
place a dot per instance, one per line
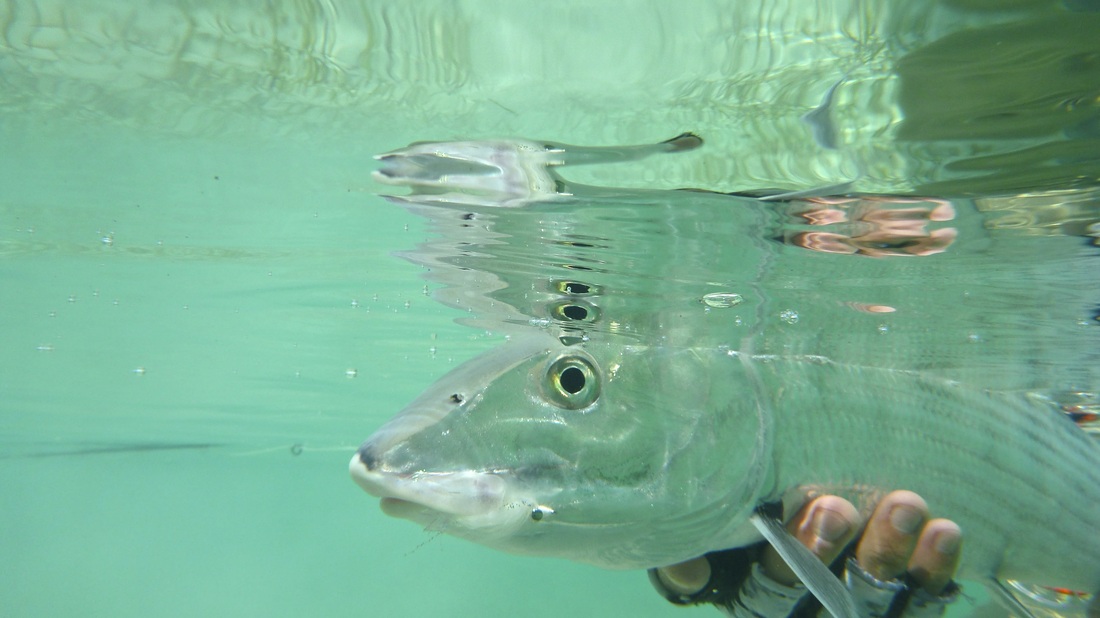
(422, 494)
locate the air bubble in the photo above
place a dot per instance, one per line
(790, 316)
(722, 300)
(351, 373)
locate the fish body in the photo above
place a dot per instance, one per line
(679, 445)
(648, 401)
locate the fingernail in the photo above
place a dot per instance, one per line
(905, 519)
(830, 525)
(687, 577)
(948, 542)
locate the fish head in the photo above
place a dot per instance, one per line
(498, 173)
(606, 454)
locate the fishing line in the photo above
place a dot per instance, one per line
(295, 449)
(431, 527)
(433, 537)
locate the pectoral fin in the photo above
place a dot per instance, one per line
(813, 572)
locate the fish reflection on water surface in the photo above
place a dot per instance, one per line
(676, 359)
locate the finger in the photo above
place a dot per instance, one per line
(936, 557)
(892, 534)
(824, 525)
(685, 578)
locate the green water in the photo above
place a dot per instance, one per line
(201, 313)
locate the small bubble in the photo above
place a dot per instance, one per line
(432, 350)
(408, 304)
(52, 314)
(354, 303)
(72, 298)
(108, 239)
(790, 316)
(737, 321)
(45, 347)
(139, 371)
(722, 300)
(374, 298)
(406, 227)
(974, 338)
(351, 373)
(296, 449)
(883, 329)
(425, 291)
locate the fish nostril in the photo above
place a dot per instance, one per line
(367, 456)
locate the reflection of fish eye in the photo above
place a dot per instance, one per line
(575, 311)
(575, 288)
(572, 383)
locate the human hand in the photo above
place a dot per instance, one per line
(900, 540)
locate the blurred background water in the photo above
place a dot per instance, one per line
(202, 316)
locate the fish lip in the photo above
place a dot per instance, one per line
(456, 493)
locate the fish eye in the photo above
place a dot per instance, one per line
(456, 398)
(572, 383)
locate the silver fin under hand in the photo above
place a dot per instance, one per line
(1003, 595)
(828, 190)
(814, 574)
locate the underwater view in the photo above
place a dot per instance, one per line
(579, 288)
